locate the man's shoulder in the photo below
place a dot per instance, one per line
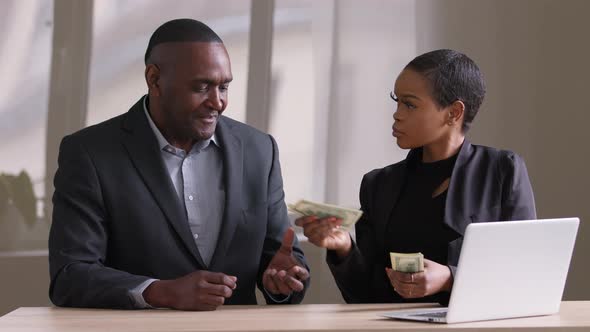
(244, 131)
(109, 130)
(240, 126)
(100, 133)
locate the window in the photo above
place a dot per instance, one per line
(25, 48)
(120, 36)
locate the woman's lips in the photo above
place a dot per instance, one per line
(395, 132)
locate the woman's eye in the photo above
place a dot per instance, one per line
(410, 105)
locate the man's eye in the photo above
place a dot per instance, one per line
(201, 88)
(224, 87)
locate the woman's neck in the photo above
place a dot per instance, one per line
(443, 149)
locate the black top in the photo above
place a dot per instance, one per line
(417, 220)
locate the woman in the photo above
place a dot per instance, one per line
(425, 202)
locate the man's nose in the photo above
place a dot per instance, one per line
(215, 99)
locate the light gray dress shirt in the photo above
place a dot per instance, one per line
(198, 180)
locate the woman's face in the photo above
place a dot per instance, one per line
(418, 120)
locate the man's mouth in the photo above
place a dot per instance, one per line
(210, 118)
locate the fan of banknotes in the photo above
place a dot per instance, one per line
(409, 263)
(308, 208)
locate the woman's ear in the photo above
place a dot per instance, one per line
(456, 112)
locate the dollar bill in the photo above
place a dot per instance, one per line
(409, 263)
(308, 208)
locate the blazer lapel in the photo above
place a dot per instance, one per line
(143, 149)
(233, 160)
(457, 198)
(390, 189)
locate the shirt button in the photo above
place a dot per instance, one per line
(196, 236)
(190, 197)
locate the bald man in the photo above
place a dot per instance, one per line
(171, 204)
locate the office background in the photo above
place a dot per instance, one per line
(314, 74)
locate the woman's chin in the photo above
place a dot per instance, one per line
(403, 144)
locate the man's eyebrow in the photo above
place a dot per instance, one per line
(209, 81)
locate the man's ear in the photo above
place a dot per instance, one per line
(456, 112)
(152, 78)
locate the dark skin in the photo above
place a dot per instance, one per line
(418, 122)
(188, 86)
(188, 90)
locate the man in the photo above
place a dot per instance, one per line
(171, 204)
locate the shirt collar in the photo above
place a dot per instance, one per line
(162, 141)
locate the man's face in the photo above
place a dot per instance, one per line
(193, 84)
(418, 120)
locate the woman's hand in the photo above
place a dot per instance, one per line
(326, 233)
(434, 279)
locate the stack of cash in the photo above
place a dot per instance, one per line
(307, 208)
(409, 263)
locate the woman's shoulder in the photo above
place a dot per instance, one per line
(379, 174)
(489, 158)
(488, 152)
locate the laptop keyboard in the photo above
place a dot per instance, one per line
(438, 314)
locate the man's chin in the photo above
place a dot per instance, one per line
(204, 134)
(204, 129)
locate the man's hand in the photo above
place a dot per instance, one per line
(284, 273)
(435, 278)
(326, 233)
(200, 290)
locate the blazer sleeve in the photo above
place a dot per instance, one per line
(353, 274)
(518, 201)
(277, 224)
(79, 236)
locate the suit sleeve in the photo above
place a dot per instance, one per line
(353, 274)
(518, 201)
(79, 236)
(277, 224)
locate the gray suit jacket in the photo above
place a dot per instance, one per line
(486, 185)
(117, 220)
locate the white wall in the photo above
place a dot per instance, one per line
(374, 40)
(535, 56)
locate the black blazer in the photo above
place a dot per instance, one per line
(117, 220)
(486, 185)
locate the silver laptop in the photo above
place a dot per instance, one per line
(506, 270)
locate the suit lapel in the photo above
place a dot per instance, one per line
(142, 146)
(233, 160)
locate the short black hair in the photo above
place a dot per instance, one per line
(452, 76)
(181, 30)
